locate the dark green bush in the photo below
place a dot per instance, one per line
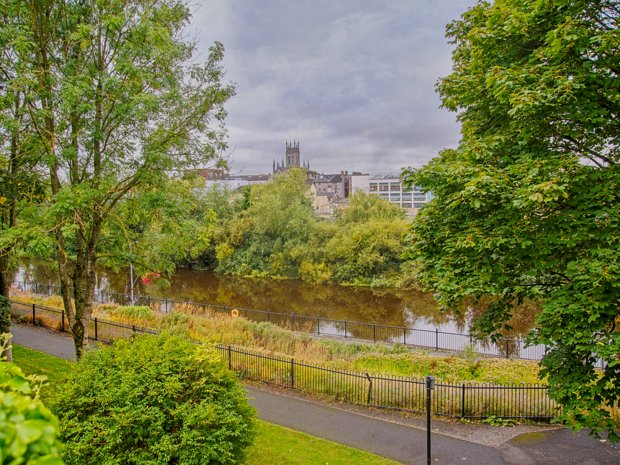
(154, 400)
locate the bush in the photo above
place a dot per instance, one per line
(28, 430)
(154, 400)
(134, 311)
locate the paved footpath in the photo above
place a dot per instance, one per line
(399, 442)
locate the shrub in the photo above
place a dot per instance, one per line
(28, 430)
(154, 400)
(134, 311)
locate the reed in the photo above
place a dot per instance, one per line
(206, 324)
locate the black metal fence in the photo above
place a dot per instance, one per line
(431, 339)
(464, 400)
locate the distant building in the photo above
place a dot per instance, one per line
(337, 184)
(293, 159)
(237, 181)
(390, 188)
(211, 174)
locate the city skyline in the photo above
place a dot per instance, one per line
(352, 81)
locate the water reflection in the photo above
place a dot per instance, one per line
(384, 307)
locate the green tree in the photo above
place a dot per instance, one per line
(19, 151)
(154, 400)
(157, 228)
(364, 207)
(527, 206)
(268, 236)
(116, 107)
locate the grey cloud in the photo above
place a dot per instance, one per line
(353, 81)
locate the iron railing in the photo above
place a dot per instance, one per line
(424, 338)
(464, 400)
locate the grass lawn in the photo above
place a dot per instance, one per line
(273, 444)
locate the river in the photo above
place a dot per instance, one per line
(411, 308)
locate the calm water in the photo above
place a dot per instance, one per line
(381, 306)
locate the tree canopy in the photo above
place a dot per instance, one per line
(115, 104)
(527, 206)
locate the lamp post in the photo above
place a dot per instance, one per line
(131, 279)
(430, 385)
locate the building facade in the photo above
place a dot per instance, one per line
(390, 188)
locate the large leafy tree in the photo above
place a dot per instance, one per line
(117, 106)
(528, 204)
(19, 151)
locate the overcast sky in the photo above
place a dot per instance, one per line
(351, 80)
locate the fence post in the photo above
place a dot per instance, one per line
(374, 332)
(96, 330)
(369, 389)
(318, 326)
(345, 329)
(463, 401)
(62, 321)
(404, 335)
(292, 372)
(507, 354)
(33, 314)
(436, 338)
(229, 358)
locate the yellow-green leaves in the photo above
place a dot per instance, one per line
(28, 430)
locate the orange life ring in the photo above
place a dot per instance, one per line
(234, 312)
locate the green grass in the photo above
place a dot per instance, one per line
(33, 362)
(276, 444)
(273, 444)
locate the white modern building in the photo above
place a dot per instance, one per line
(390, 188)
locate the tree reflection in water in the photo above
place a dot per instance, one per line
(386, 307)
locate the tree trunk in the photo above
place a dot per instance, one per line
(4, 277)
(5, 329)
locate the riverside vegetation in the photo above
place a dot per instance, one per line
(395, 359)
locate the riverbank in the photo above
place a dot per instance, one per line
(373, 430)
(205, 324)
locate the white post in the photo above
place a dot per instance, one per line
(131, 275)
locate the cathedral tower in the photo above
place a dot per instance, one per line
(292, 155)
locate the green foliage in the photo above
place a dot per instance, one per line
(361, 252)
(155, 400)
(5, 315)
(28, 430)
(279, 234)
(527, 205)
(109, 118)
(364, 207)
(134, 311)
(273, 444)
(158, 228)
